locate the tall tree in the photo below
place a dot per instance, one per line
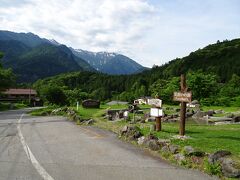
(7, 78)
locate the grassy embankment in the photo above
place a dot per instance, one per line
(208, 138)
(8, 106)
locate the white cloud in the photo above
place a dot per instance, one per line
(149, 31)
(113, 25)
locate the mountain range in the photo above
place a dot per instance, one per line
(109, 63)
(33, 58)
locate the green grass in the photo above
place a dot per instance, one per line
(225, 109)
(208, 138)
(45, 111)
(7, 106)
(87, 113)
(203, 137)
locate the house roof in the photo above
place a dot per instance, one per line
(20, 92)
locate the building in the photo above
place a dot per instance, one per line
(15, 95)
(20, 94)
(142, 100)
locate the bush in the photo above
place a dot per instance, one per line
(214, 169)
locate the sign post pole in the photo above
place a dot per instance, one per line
(183, 107)
(156, 111)
(77, 105)
(183, 97)
(158, 124)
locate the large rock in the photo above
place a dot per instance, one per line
(153, 145)
(173, 149)
(228, 168)
(190, 151)
(199, 114)
(91, 103)
(219, 111)
(141, 140)
(179, 157)
(210, 113)
(163, 142)
(236, 119)
(213, 158)
(131, 132)
(165, 149)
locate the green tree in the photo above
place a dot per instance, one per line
(202, 85)
(7, 78)
(53, 95)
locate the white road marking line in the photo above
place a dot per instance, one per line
(30, 155)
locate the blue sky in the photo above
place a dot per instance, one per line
(148, 31)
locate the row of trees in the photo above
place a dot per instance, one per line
(72, 87)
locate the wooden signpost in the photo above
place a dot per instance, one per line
(183, 97)
(156, 111)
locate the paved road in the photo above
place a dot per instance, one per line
(34, 148)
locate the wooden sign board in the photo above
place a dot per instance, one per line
(182, 97)
(91, 103)
(155, 102)
(156, 112)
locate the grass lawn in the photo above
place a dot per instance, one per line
(208, 138)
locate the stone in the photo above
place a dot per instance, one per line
(89, 122)
(173, 149)
(189, 114)
(199, 114)
(228, 168)
(175, 116)
(91, 103)
(236, 119)
(153, 145)
(219, 111)
(141, 140)
(213, 158)
(165, 149)
(190, 151)
(124, 129)
(131, 132)
(195, 102)
(230, 116)
(210, 113)
(163, 142)
(150, 119)
(179, 157)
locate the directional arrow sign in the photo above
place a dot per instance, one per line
(182, 96)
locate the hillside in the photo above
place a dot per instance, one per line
(222, 58)
(212, 75)
(109, 63)
(33, 58)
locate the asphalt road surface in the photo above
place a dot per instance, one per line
(52, 148)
